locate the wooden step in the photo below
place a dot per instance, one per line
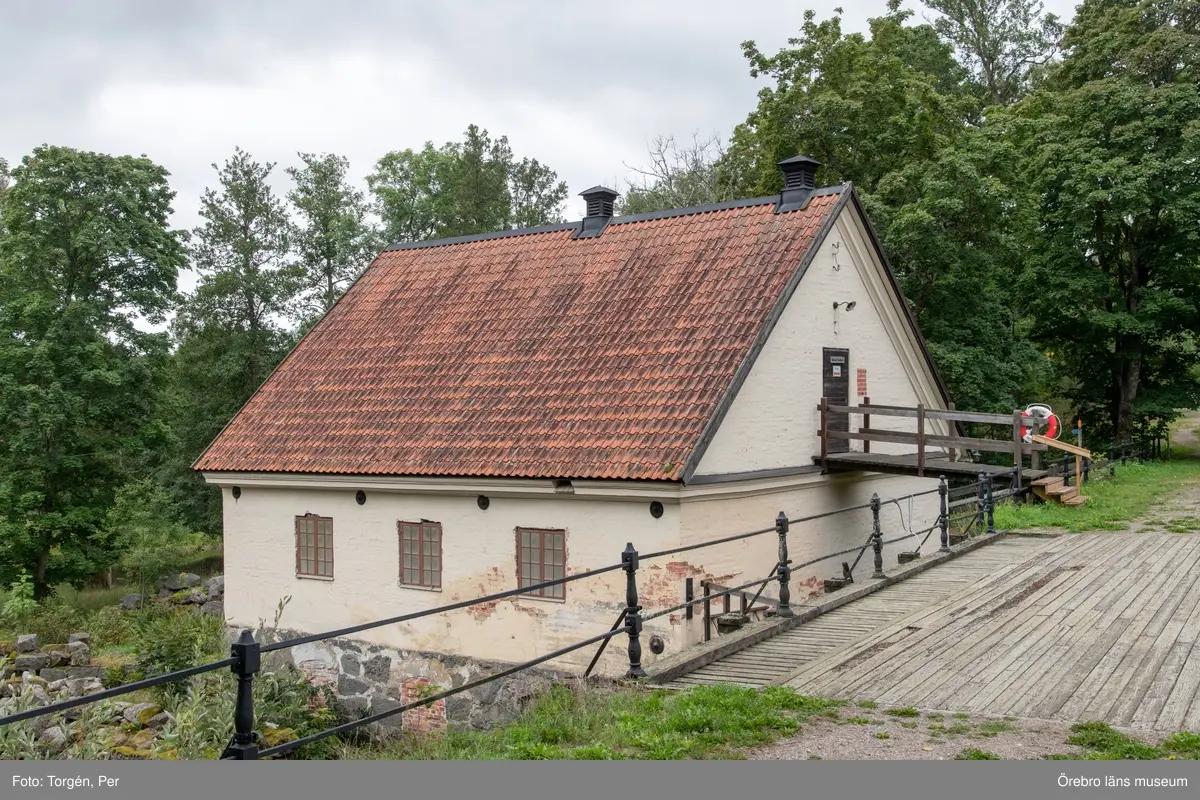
(1077, 500)
(1050, 482)
(1063, 492)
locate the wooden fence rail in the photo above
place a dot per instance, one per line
(922, 440)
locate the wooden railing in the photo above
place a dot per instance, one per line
(922, 440)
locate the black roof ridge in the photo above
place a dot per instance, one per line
(624, 220)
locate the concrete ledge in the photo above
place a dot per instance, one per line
(704, 653)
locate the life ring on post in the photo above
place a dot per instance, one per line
(1042, 413)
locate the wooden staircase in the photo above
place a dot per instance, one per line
(1054, 490)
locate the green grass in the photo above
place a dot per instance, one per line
(1105, 744)
(975, 754)
(867, 704)
(702, 723)
(907, 711)
(1112, 502)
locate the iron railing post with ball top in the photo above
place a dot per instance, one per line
(244, 746)
(785, 593)
(877, 536)
(944, 512)
(633, 612)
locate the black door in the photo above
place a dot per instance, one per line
(835, 385)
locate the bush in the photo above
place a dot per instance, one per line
(284, 702)
(170, 640)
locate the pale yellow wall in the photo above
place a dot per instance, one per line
(479, 558)
(773, 421)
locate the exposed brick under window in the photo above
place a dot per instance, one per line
(314, 546)
(421, 554)
(542, 556)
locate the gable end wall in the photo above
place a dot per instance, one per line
(773, 421)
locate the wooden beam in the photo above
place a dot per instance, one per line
(824, 432)
(930, 413)
(866, 423)
(1070, 448)
(920, 440)
(964, 442)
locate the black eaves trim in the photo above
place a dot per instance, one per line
(578, 226)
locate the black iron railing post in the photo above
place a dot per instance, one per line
(944, 512)
(244, 746)
(785, 570)
(877, 535)
(1087, 469)
(633, 612)
(689, 597)
(991, 504)
(707, 610)
(981, 507)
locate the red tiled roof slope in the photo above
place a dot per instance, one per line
(532, 356)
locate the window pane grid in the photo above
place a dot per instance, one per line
(541, 557)
(421, 554)
(314, 546)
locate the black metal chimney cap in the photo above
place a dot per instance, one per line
(799, 180)
(600, 207)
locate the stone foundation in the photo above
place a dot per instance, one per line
(367, 679)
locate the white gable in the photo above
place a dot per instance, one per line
(773, 420)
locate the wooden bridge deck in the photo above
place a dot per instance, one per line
(907, 465)
(1095, 627)
(1101, 626)
(774, 659)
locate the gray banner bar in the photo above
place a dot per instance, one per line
(689, 780)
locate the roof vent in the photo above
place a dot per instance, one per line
(799, 180)
(600, 201)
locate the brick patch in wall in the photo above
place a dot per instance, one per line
(431, 717)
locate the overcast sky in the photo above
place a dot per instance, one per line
(582, 86)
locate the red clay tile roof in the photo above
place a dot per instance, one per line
(537, 356)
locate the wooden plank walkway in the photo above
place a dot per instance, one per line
(1099, 626)
(906, 464)
(774, 659)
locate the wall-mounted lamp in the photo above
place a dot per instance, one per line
(849, 306)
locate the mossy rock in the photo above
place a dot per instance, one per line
(7, 647)
(146, 713)
(277, 736)
(169, 754)
(55, 648)
(181, 597)
(142, 739)
(130, 752)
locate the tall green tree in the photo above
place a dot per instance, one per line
(472, 186)
(88, 251)
(334, 241)
(895, 113)
(864, 106)
(1002, 42)
(232, 331)
(1114, 158)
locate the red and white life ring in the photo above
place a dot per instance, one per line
(1045, 414)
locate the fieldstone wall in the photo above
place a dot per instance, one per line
(367, 679)
(186, 590)
(52, 671)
